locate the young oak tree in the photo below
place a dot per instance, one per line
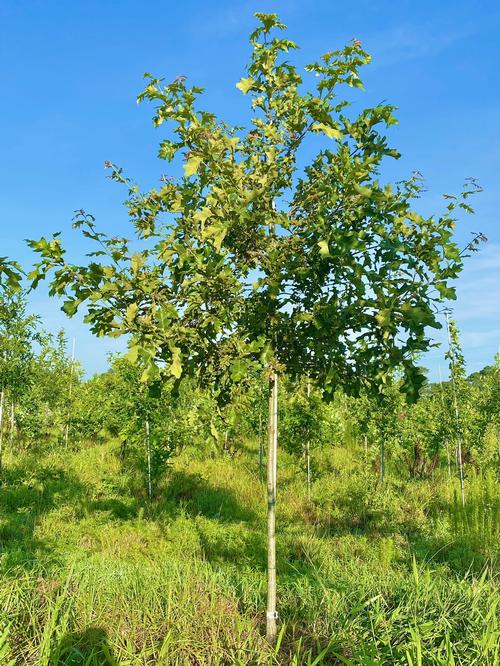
(248, 261)
(17, 334)
(458, 388)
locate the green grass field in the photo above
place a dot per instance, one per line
(92, 573)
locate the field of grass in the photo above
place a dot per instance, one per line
(92, 573)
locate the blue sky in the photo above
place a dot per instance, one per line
(70, 72)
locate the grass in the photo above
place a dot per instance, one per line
(91, 573)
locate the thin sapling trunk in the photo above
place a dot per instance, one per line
(308, 447)
(458, 452)
(70, 392)
(2, 394)
(382, 460)
(261, 449)
(148, 455)
(12, 422)
(271, 614)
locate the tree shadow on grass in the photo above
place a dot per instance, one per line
(199, 497)
(463, 549)
(227, 530)
(27, 494)
(89, 647)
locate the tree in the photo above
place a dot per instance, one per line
(458, 395)
(304, 422)
(44, 404)
(17, 334)
(246, 262)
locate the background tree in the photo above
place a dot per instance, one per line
(44, 405)
(18, 332)
(458, 395)
(304, 422)
(247, 262)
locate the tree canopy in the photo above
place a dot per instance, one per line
(248, 259)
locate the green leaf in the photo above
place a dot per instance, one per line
(213, 431)
(202, 215)
(364, 191)
(324, 250)
(192, 165)
(70, 307)
(384, 317)
(331, 132)
(245, 85)
(130, 312)
(136, 262)
(239, 369)
(132, 354)
(175, 368)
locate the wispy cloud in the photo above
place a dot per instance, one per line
(411, 41)
(236, 17)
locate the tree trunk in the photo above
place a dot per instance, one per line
(460, 466)
(308, 448)
(1, 432)
(382, 460)
(271, 614)
(261, 451)
(458, 451)
(68, 418)
(12, 421)
(148, 453)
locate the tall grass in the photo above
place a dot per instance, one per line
(92, 573)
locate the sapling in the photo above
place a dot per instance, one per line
(441, 393)
(308, 446)
(457, 377)
(148, 454)
(17, 334)
(244, 265)
(70, 394)
(11, 421)
(2, 394)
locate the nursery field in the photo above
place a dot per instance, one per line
(266, 474)
(94, 573)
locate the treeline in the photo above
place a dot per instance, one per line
(46, 402)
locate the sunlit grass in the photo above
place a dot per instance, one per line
(92, 573)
